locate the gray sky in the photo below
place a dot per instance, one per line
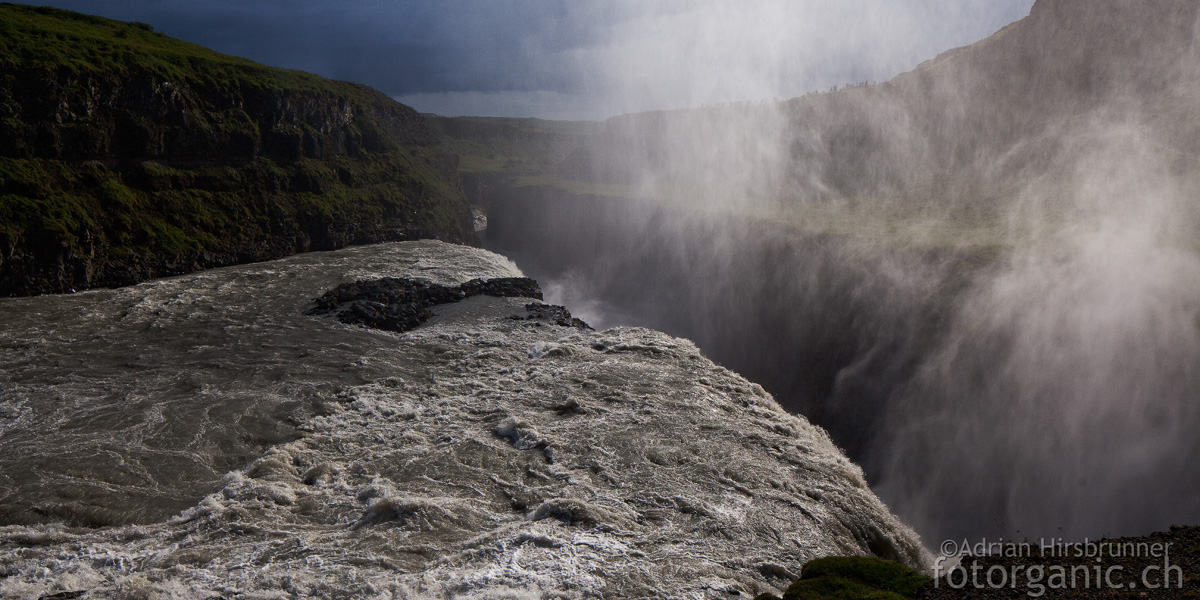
(577, 59)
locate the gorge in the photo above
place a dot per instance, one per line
(963, 303)
(979, 276)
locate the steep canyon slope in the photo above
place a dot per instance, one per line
(126, 155)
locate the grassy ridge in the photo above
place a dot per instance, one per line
(126, 154)
(59, 40)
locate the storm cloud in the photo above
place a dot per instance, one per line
(577, 58)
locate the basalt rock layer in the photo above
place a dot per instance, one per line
(398, 304)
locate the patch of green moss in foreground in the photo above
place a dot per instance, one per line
(853, 578)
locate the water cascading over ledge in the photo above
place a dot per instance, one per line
(487, 450)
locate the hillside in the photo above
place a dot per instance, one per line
(126, 155)
(496, 153)
(933, 157)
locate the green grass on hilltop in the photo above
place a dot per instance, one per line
(55, 39)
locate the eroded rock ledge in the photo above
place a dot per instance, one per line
(399, 304)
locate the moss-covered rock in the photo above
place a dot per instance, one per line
(855, 578)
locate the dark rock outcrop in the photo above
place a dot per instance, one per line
(1164, 562)
(397, 304)
(553, 314)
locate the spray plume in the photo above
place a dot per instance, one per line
(980, 276)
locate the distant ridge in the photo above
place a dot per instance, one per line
(964, 127)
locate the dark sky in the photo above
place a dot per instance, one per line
(576, 58)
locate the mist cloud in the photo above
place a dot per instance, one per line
(982, 277)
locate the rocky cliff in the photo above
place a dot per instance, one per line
(125, 154)
(958, 133)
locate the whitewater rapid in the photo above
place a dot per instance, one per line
(202, 436)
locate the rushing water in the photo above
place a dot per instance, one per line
(202, 437)
(126, 406)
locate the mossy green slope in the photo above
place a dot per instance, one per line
(126, 154)
(853, 578)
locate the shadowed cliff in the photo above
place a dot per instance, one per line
(126, 155)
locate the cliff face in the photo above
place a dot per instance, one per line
(133, 111)
(125, 155)
(1067, 62)
(963, 128)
